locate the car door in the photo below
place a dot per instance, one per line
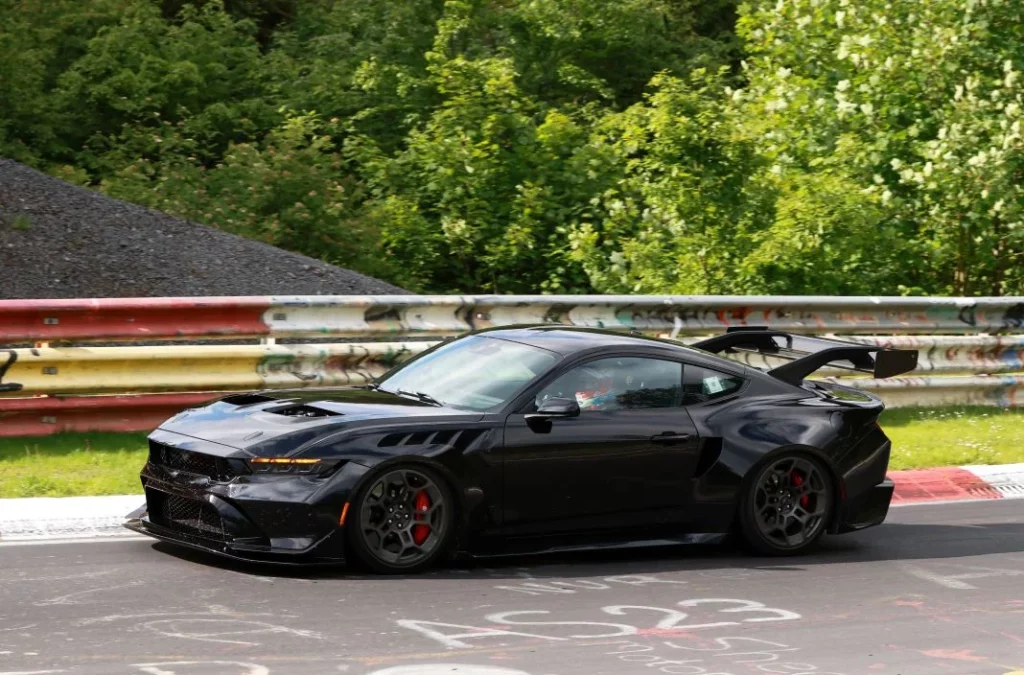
(625, 461)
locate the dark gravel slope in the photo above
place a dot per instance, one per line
(58, 240)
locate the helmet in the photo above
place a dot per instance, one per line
(594, 389)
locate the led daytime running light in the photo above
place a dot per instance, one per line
(282, 460)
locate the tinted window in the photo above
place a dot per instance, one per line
(619, 384)
(704, 384)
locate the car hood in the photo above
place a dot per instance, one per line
(282, 423)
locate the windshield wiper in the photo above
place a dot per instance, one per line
(419, 395)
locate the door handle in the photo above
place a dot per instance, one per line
(669, 437)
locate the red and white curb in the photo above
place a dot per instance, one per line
(1001, 481)
(51, 518)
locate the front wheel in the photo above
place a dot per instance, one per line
(404, 520)
(787, 506)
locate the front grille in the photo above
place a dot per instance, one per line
(190, 515)
(215, 468)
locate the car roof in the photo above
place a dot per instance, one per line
(566, 340)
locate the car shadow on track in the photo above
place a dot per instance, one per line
(889, 542)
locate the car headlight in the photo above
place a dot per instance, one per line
(287, 465)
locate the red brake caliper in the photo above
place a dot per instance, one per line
(420, 531)
(797, 481)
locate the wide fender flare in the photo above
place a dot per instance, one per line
(462, 502)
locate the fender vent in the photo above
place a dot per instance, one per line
(710, 451)
(467, 437)
(419, 438)
(391, 440)
(446, 437)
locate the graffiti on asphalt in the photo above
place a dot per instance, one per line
(507, 625)
(219, 625)
(751, 654)
(197, 667)
(560, 586)
(958, 581)
(448, 669)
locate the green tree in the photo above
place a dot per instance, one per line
(893, 127)
(683, 215)
(481, 196)
(197, 79)
(38, 42)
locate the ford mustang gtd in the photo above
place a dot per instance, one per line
(532, 438)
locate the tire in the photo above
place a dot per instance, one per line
(402, 521)
(788, 505)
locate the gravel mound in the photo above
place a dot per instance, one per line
(58, 240)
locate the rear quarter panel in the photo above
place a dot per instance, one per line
(765, 419)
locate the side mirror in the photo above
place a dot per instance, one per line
(553, 408)
(559, 407)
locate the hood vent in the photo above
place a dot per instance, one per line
(458, 438)
(247, 399)
(303, 411)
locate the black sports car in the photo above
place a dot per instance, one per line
(532, 438)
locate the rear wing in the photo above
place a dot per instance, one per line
(808, 354)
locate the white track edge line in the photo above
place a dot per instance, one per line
(102, 539)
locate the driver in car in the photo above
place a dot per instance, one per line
(595, 390)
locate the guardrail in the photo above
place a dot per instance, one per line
(969, 347)
(44, 415)
(375, 316)
(101, 370)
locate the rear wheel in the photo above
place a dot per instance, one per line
(403, 520)
(787, 506)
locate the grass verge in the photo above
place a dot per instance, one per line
(68, 465)
(929, 437)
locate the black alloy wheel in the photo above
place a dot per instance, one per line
(403, 520)
(787, 506)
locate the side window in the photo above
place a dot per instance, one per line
(704, 384)
(626, 383)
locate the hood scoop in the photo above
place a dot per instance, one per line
(247, 399)
(302, 410)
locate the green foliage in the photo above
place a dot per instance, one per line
(640, 146)
(72, 464)
(682, 215)
(956, 436)
(195, 83)
(289, 190)
(904, 118)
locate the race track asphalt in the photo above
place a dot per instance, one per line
(939, 589)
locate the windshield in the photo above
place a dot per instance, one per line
(476, 372)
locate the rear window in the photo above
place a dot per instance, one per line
(704, 384)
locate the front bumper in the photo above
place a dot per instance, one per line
(327, 551)
(271, 519)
